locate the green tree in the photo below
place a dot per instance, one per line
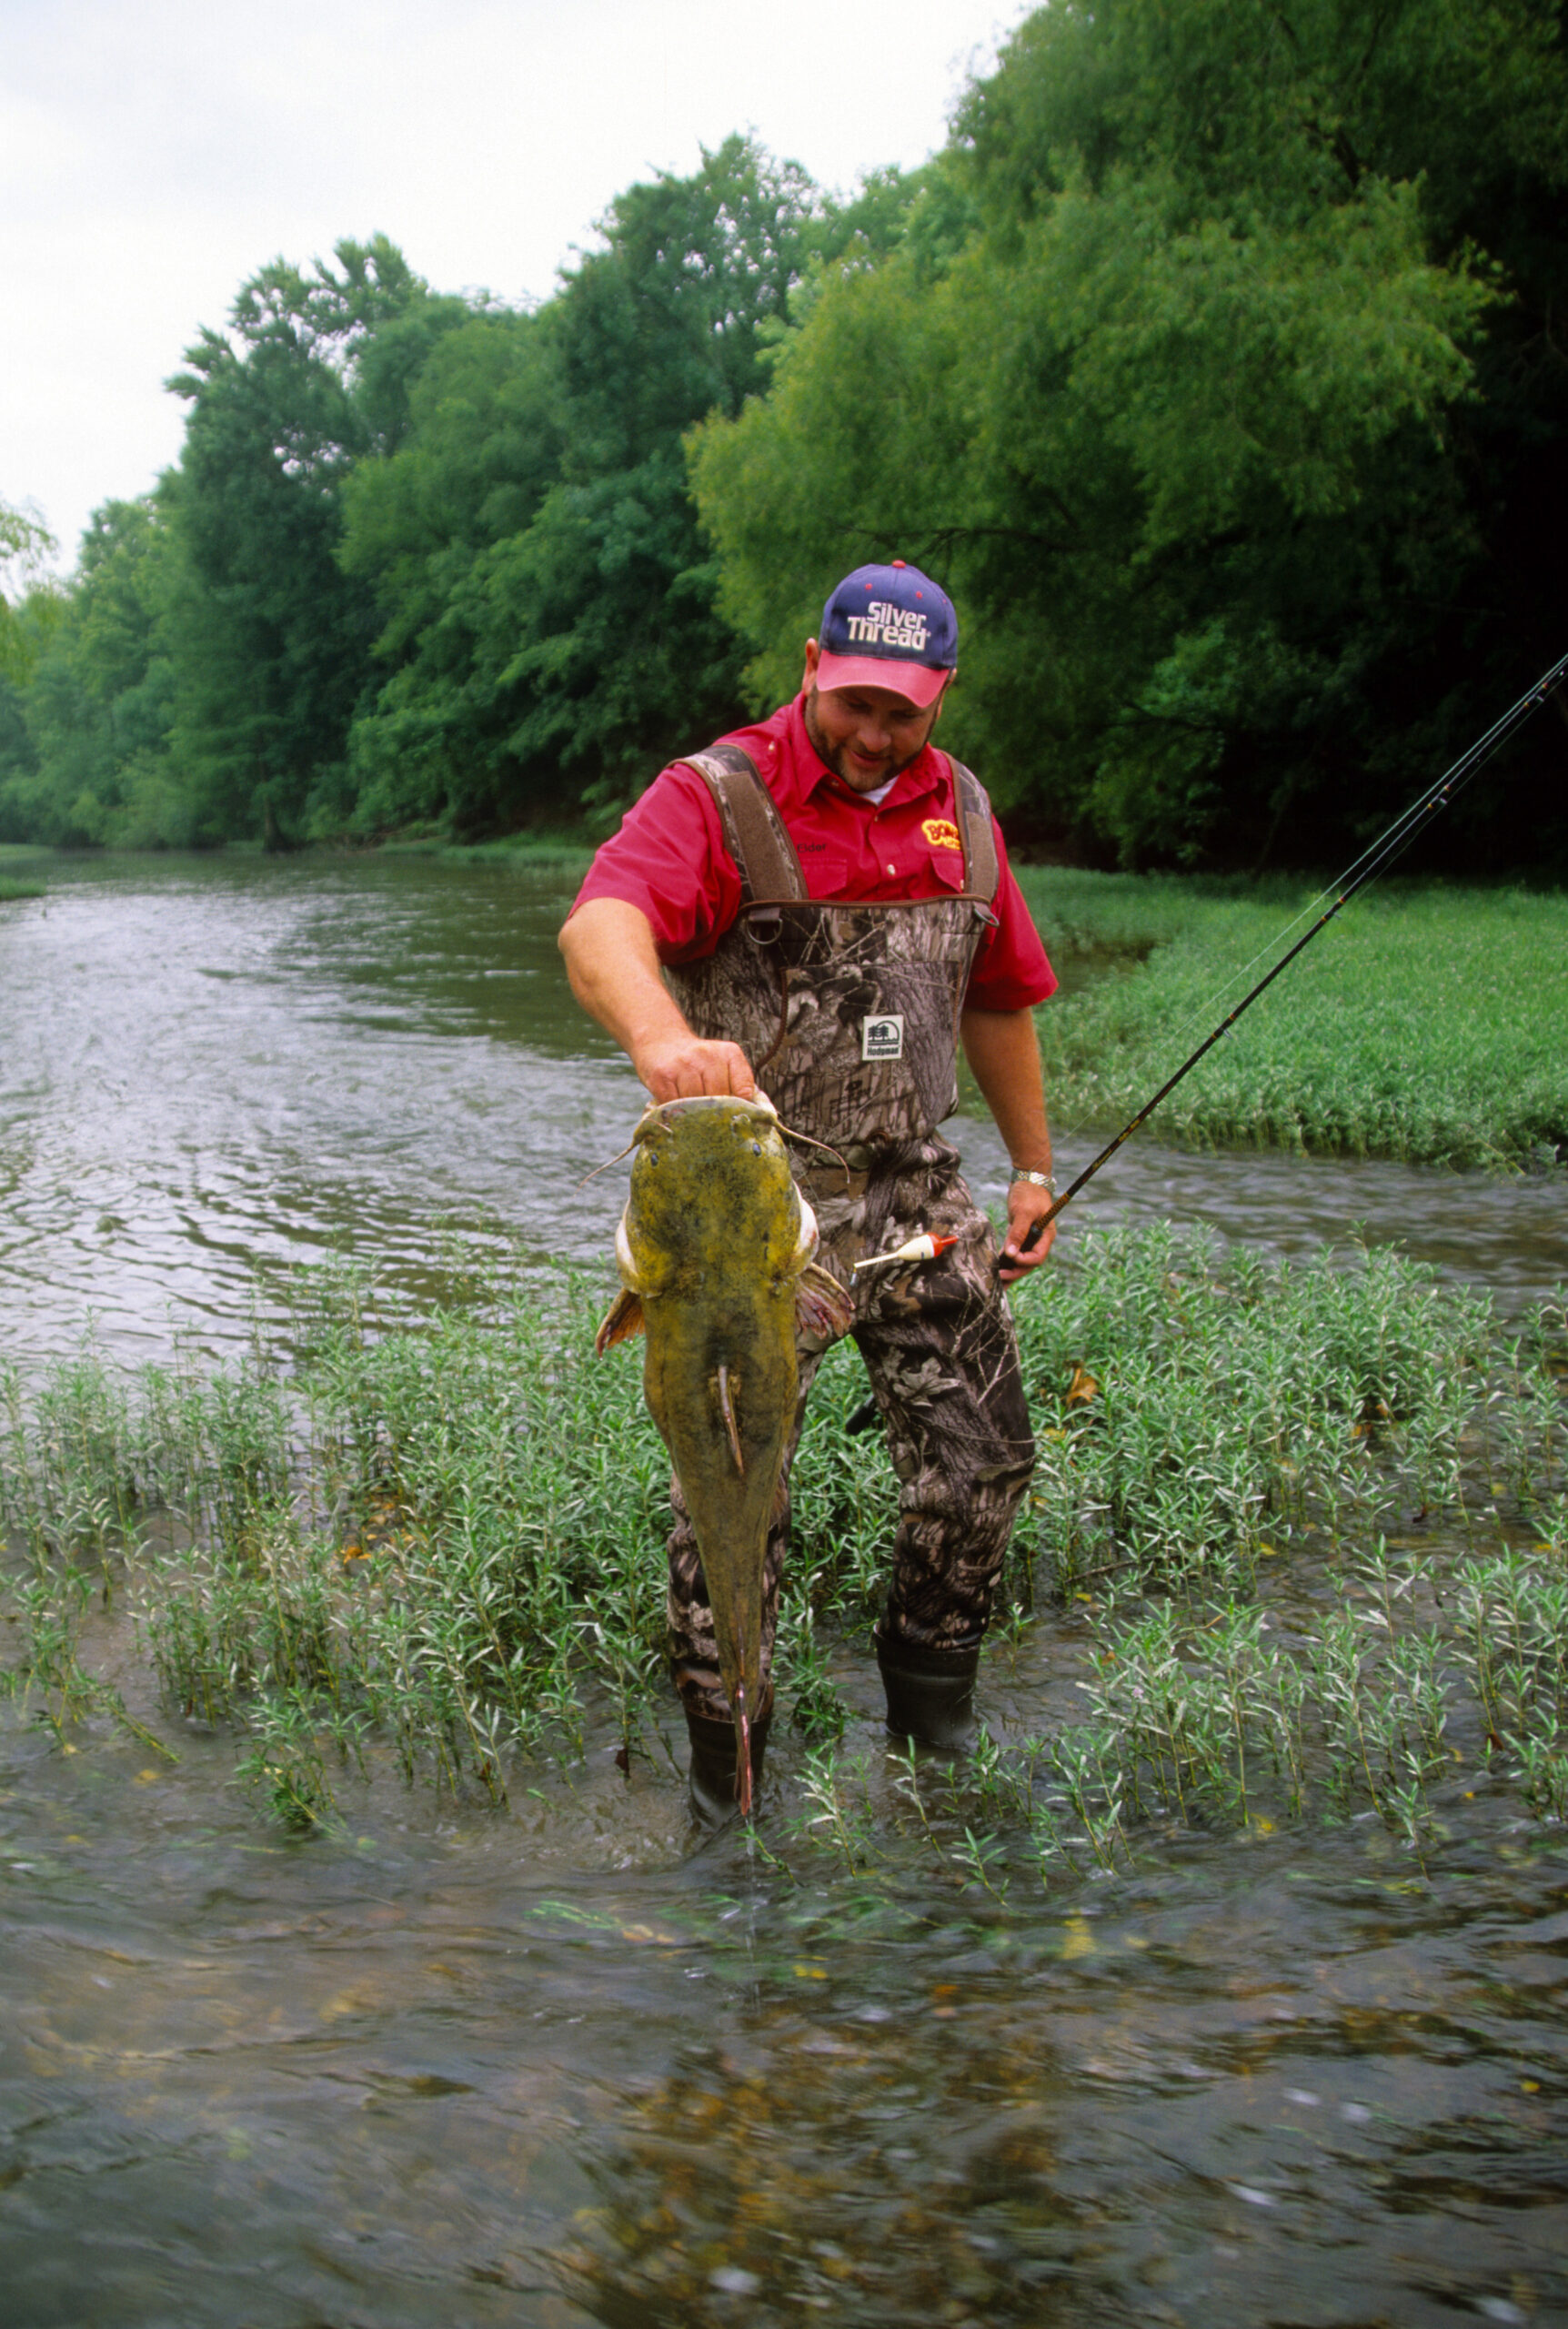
(97, 707)
(1232, 422)
(549, 603)
(25, 543)
(483, 448)
(270, 639)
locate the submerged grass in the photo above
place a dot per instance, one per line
(1312, 1524)
(1428, 1023)
(1305, 1528)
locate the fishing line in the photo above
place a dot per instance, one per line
(1390, 844)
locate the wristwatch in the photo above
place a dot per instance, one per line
(1039, 1180)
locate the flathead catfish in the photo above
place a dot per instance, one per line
(715, 1250)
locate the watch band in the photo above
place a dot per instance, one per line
(1039, 1180)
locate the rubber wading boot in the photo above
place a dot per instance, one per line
(713, 1760)
(930, 1692)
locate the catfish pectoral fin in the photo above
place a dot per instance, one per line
(728, 1411)
(622, 1320)
(822, 1308)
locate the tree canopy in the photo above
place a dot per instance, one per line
(1233, 422)
(1215, 366)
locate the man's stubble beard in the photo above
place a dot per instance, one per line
(836, 757)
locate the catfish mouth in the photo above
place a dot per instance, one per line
(666, 1111)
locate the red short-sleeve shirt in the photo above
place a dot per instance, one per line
(669, 860)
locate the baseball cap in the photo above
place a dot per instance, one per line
(889, 626)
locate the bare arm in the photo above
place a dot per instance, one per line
(1003, 1051)
(613, 966)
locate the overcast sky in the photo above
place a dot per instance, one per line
(153, 153)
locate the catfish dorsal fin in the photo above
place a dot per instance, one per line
(622, 1320)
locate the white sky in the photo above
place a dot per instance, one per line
(154, 153)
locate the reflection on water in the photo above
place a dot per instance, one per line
(554, 2064)
(212, 1066)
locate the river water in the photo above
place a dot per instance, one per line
(560, 2063)
(212, 1070)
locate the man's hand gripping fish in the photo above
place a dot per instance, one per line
(716, 1251)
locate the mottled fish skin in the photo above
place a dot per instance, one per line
(715, 1250)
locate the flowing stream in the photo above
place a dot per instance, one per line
(558, 2063)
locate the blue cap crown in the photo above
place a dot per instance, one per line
(892, 614)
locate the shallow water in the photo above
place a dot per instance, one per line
(560, 2062)
(554, 2064)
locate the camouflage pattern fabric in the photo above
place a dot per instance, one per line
(796, 985)
(938, 1342)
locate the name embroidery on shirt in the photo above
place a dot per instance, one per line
(941, 832)
(882, 1037)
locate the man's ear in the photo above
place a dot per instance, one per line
(813, 656)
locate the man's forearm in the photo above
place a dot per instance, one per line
(1003, 1051)
(612, 964)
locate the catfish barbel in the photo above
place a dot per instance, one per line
(716, 1250)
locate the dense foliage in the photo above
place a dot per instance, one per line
(1217, 374)
(1212, 365)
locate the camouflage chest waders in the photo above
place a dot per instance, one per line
(849, 1015)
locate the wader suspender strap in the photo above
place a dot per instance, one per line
(765, 855)
(982, 874)
(769, 870)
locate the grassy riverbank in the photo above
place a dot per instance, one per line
(566, 849)
(1297, 1537)
(17, 864)
(1428, 1023)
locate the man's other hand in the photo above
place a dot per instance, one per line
(1026, 1204)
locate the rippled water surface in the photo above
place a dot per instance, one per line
(557, 2063)
(209, 1066)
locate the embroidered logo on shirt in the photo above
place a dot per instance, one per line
(941, 832)
(883, 1037)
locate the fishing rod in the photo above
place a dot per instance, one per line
(1378, 854)
(1392, 843)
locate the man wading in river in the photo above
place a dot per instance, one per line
(822, 904)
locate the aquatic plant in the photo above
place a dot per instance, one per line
(1307, 1523)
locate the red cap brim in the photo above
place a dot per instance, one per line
(917, 683)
